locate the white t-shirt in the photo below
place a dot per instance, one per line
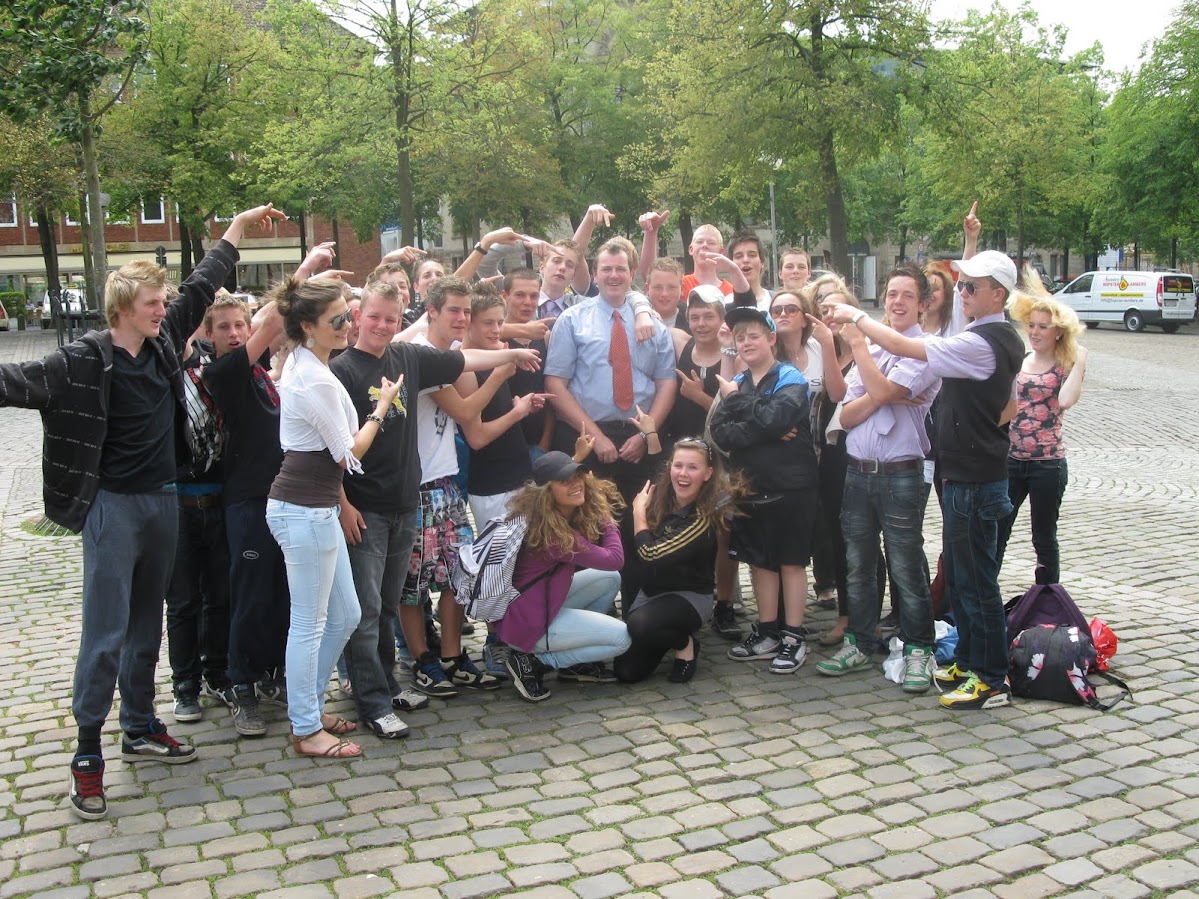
(315, 412)
(434, 433)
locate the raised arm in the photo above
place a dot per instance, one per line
(596, 214)
(891, 341)
(470, 264)
(651, 223)
(1072, 388)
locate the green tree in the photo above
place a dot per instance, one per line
(1008, 126)
(739, 84)
(72, 61)
(1148, 161)
(197, 107)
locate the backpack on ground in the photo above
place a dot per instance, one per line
(1044, 604)
(482, 574)
(1051, 661)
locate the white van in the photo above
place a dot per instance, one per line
(1166, 299)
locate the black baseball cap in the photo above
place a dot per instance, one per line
(554, 466)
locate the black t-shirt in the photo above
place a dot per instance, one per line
(504, 463)
(524, 382)
(391, 473)
(139, 450)
(249, 405)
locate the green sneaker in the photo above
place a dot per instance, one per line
(848, 658)
(917, 669)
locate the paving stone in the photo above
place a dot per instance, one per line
(1167, 874)
(601, 886)
(1074, 872)
(752, 879)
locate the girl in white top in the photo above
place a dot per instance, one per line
(321, 440)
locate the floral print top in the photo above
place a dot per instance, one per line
(1036, 430)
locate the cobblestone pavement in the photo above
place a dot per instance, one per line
(740, 783)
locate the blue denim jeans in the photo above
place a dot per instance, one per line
(128, 551)
(973, 513)
(379, 564)
(324, 604)
(1043, 483)
(583, 631)
(893, 505)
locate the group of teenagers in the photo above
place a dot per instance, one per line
(297, 483)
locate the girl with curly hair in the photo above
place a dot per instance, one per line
(1049, 383)
(568, 572)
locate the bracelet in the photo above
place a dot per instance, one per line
(376, 419)
(861, 315)
(645, 435)
(479, 249)
(729, 351)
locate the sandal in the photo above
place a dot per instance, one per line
(342, 749)
(337, 725)
(832, 638)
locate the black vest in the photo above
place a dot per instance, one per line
(973, 447)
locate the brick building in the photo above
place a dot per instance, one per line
(264, 258)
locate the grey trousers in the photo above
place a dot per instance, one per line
(128, 554)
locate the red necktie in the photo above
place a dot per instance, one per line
(622, 364)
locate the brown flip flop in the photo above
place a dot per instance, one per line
(342, 749)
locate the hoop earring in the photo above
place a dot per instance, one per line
(310, 342)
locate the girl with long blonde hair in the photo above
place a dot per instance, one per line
(1049, 383)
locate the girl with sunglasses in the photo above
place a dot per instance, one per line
(676, 522)
(320, 437)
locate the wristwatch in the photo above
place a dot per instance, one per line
(479, 249)
(728, 351)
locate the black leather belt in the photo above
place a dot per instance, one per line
(200, 501)
(873, 466)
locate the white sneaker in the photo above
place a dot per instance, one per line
(389, 727)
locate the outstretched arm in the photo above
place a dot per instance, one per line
(596, 214)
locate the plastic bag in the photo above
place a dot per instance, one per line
(1105, 642)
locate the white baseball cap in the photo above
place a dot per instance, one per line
(989, 264)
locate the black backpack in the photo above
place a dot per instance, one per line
(1051, 661)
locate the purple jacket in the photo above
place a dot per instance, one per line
(530, 614)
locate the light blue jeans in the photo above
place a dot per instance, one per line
(583, 631)
(324, 605)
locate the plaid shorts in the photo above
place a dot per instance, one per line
(442, 527)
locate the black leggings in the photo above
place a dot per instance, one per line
(666, 622)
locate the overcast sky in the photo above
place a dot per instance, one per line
(1120, 26)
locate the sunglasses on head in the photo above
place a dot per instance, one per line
(695, 443)
(338, 322)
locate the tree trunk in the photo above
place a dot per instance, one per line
(303, 223)
(401, 103)
(903, 242)
(185, 250)
(94, 212)
(197, 247)
(1019, 236)
(1065, 273)
(46, 237)
(834, 202)
(686, 232)
(336, 243)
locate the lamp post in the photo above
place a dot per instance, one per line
(774, 228)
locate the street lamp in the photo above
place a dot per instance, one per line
(774, 228)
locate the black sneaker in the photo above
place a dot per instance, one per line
(187, 708)
(724, 621)
(273, 688)
(247, 717)
(87, 787)
(756, 646)
(526, 671)
(158, 746)
(462, 672)
(222, 692)
(587, 673)
(430, 678)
